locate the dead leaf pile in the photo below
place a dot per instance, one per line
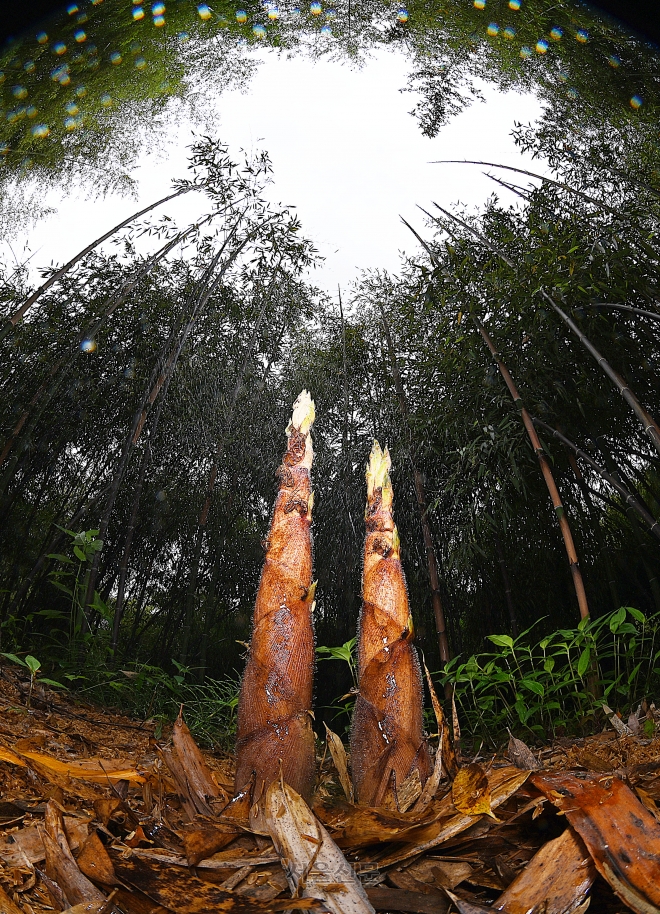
(99, 817)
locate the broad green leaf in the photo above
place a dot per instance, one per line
(501, 640)
(583, 662)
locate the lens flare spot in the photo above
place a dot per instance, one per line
(259, 31)
(80, 36)
(515, 4)
(241, 16)
(541, 46)
(636, 102)
(140, 63)
(582, 36)
(614, 61)
(509, 32)
(31, 111)
(40, 131)
(273, 13)
(157, 9)
(159, 21)
(106, 100)
(480, 4)
(116, 58)
(203, 11)
(493, 29)
(402, 15)
(138, 13)
(315, 8)
(88, 345)
(59, 48)
(556, 33)
(326, 30)
(19, 92)
(71, 9)
(525, 52)
(42, 37)
(29, 66)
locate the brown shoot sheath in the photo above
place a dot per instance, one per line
(274, 721)
(387, 739)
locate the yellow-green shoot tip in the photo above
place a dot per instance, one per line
(378, 469)
(303, 414)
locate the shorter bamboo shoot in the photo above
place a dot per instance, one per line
(274, 710)
(387, 739)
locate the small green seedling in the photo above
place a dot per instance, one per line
(33, 665)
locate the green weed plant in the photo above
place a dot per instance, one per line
(556, 686)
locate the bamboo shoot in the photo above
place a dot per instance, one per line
(274, 719)
(387, 740)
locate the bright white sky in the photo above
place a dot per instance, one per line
(345, 151)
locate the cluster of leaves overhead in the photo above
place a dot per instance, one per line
(83, 95)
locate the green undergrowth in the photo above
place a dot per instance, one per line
(537, 688)
(557, 685)
(147, 692)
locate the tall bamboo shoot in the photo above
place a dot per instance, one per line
(274, 721)
(387, 740)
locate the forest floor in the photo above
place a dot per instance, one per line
(97, 815)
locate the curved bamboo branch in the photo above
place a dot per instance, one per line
(387, 739)
(274, 721)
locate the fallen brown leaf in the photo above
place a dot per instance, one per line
(314, 865)
(470, 791)
(622, 836)
(556, 880)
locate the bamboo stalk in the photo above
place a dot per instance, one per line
(649, 425)
(627, 496)
(578, 583)
(387, 740)
(274, 710)
(20, 312)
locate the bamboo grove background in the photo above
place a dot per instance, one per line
(143, 397)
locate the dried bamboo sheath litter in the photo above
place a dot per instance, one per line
(387, 741)
(274, 723)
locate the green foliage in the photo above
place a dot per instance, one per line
(146, 691)
(345, 652)
(71, 579)
(342, 707)
(33, 665)
(556, 686)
